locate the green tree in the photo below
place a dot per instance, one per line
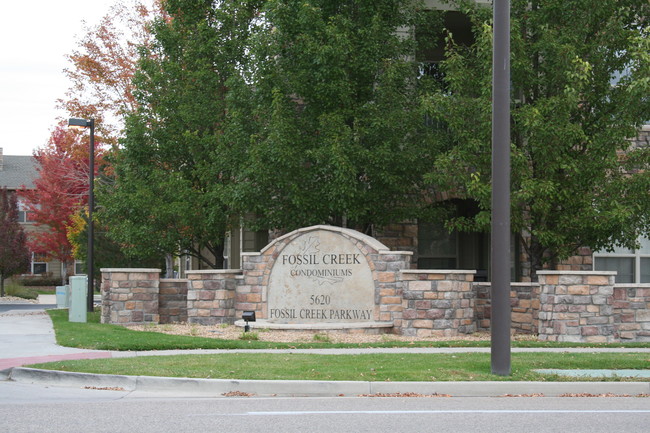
(336, 128)
(14, 255)
(107, 253)
(580, 86)
(166, 193)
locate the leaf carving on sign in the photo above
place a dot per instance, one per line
(310, 245)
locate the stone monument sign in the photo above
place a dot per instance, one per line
(321, 276)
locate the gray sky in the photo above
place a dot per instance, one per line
(35, 36)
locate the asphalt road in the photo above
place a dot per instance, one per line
(30, 408)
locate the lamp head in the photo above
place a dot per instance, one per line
(79, 123)
(248, 316)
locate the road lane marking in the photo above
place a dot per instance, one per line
(438, 412)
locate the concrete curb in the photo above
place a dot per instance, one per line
(185, 387)
(4, 374)
(68, 379)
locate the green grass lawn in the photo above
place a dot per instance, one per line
(366, 367)
(94, 335)
(274, 366)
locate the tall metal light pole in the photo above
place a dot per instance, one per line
(83, 123)
(500, 236)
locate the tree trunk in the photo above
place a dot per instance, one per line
(536, 258)
(64, 273)
(169, 266)
(2, 285)
(218, 257)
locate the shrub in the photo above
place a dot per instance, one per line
(323, 338)
(249, 336)
(18, 291)
(37, 281)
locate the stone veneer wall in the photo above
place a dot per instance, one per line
(565, 306)
(172, 300)
(632, 312)
(211, 296)
(438, 303)
(130, 296)
(577, 306)
(524, 301)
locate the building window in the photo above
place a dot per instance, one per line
(79, 267)
(431, 41)
(633, 266)
(23, 215)
(437, 247)
(39, 263)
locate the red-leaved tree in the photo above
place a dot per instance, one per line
(60, 191)
(103, 65)
(14, 255)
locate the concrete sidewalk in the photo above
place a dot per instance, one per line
(27, 337)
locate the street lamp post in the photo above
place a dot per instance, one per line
(83, 123)
(500, 235)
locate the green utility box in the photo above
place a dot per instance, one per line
(63, 296)
(78, 298)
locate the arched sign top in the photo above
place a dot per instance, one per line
(353, 234)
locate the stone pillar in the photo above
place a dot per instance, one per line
(389, 285)
(211, 296)
(438, 303)
(251, 291)
(130, 296)
(576, 306)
